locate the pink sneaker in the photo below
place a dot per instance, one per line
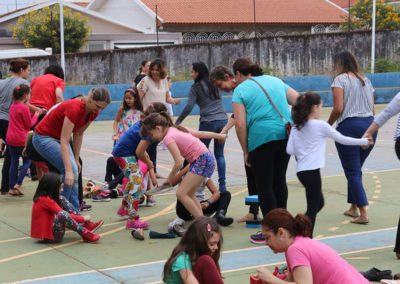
(133, 224)
(122, 212)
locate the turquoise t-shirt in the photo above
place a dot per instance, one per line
(181, 262)
(263, 122)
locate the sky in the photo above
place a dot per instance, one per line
(9, 5)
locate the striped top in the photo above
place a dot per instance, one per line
(358, 99)
(390, 110)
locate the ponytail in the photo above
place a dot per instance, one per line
(246, 67)
(162, 119)
(281, 218)
(303, 107)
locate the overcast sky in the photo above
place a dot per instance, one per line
(9, 5)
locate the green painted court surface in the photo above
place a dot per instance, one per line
(22, 258)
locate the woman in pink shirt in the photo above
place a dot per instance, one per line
(183, 144)
(20, 122)
(308, 260)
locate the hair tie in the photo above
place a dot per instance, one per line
(208, 227)
(18, 87)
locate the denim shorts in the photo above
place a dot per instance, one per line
(204, 165)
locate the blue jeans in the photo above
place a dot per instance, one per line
(216, 126)
(50, 149)
(353, 158)
(15, 154)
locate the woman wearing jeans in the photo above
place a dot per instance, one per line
(212, 114)
(262, 133)
(353, 110)
(52, 136)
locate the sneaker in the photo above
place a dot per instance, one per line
(150, 201)
(142, 199)
(101, 198)
(85, 207)
(178, 221)
(257, 238)
(178, 230)
(160, 189)
(93, 226)
(133, 224)
(122, 212)
(138, 234)
(89, 237)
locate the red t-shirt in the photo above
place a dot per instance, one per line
(44, 211)
(43, 90)
(51, 125)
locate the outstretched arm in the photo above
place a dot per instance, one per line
(208, 135)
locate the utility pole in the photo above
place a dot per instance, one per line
(254, 18)
(158, 44)
(348, 26)
(62, 36)
(373, 37)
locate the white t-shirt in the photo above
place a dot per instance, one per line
(308, 144)
(153, 92)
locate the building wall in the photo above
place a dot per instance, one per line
(286, 55)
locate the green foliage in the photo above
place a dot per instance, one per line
(383, 65)
(361, 16)
(41, 29)
(270, 70)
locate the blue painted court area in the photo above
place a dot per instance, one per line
(235, 260)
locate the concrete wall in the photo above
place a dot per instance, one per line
(287, 55)
(386, 85)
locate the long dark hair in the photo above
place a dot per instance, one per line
(281, 218)
(345, 62)
(138, 103)
(162, 119)
(20, 91)
(303, 107)
(247, 67)
(55, 70)
(195, 243)
(18, 65)
(49, 186)
(204, 75)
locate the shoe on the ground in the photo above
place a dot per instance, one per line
(257, 238)
(133, 224)
(159, 189)
(89, 236)
(178, 230)
(101, 197)
(150, 201)
(178, 221)
(93, 226)
(374, 274)
(222, 219)
(142, 199)
(85, 207)
(138, 234)
(122, 212)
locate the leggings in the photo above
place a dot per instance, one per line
(206, 271)
(132, 184)
(15, 154)
(311, 180)
(64, 220)
(397, 245)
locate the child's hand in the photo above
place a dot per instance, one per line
(177, 101)
(87, 217)
(37, 113)
(24, 152)
(265, 275)
(223, 138)
(115, 137)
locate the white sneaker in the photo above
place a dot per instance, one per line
(159, 189)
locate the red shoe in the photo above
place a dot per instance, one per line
(93, 226)
(89, 237)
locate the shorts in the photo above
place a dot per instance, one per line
(204, 165)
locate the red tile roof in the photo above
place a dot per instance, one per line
(344, 3)
(82, 4)
(241, 11)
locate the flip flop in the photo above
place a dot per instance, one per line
(19, 191)
(351, 214)
(360, 221)
(14, 192)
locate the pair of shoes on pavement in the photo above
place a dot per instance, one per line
(177, 227)
(374, 274)
(89, 228)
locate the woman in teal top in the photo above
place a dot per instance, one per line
(262, 132)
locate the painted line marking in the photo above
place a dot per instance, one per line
(375, 177)
(346, 222)
(371, 202)
(378, 186)
(333, 229)
(378, 191)
(358, 257)
(375, 197)
(377, 182)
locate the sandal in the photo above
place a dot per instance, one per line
(351, 214)
(360, 221)
(15, 192)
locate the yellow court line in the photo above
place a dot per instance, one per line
(162, 212)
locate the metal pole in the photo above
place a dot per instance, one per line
(348, 27)
(158, 44)
(254, 17)
(62, 36)
(373, 37)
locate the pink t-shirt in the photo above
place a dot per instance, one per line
(326, 265)
(190, 147)
(21, 121)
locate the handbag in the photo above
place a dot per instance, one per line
(288, 125)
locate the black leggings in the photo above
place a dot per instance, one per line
(397, 246)
(269, 163)
(252, 189)
(311, 180)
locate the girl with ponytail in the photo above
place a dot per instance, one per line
(183, 144)
(308, 260)
(307, 144)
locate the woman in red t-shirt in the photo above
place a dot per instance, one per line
(52, 213)
(68, 120)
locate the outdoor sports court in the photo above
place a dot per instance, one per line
(118, 258)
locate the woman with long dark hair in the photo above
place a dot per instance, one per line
(353, 111)
(212, 114)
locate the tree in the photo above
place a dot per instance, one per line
(361, 16)
(41, 29)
